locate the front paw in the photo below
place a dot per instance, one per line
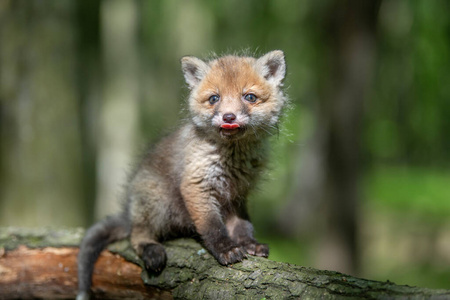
(227, 253)
(231, 256)
(257, 249)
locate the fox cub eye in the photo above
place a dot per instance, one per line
(250, 97)
(214, 99)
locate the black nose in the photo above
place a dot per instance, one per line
(229, 118)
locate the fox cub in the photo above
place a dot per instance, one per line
(195, 181)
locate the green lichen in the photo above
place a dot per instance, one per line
(12, 237)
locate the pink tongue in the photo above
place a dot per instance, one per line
(229, 126)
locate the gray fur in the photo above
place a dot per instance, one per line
(195, 181)
(98, 237)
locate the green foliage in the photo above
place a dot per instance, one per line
(405, 226)
(418, 190)
(409, 107)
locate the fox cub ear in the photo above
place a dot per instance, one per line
(194, 69)
(272, 66)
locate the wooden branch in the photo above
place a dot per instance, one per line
(42, 264)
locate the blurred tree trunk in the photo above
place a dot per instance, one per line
(331, 170)
(39, 137)
(119, 106)
(89, 81)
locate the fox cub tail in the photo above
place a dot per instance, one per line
(97, 237)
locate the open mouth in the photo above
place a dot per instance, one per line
(229, 129)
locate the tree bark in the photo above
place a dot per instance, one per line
(41, 263)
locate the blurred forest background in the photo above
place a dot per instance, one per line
(359, 178)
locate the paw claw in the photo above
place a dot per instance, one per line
(231, 256)
(257, 249)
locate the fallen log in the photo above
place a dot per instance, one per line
(41, 263)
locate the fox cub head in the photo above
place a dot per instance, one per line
(234, 97)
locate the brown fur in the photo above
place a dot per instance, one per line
(195, 181)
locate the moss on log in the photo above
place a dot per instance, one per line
(41, 263)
